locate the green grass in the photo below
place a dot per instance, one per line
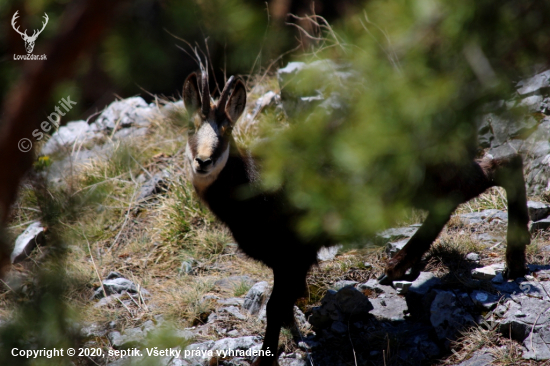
(241, 289)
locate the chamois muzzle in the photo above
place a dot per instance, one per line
(203, 164)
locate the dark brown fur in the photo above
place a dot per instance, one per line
(263, 223)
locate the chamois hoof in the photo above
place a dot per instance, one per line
(384, 280)
(510, 274)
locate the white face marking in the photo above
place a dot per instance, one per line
(201, 181)
(207, 138)
(206, 141)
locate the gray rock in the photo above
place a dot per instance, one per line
(374, 285)
(27, 241)
(484, 273)
(156, 184)
(248, 343)
(395, 234)
(256, 297)
(171, 108)
(342, 306)
(483, 357)
(126, 113)
(116, 284)
(292, 362)
(306, 86)
(269, 99)
(484, 299)
(328, 253)
(78, 132)
(133, 337)
(186, 267)
(508, 148)
(402, 287)
(233, 301)
(545, 106)
(341, 284)
(521, 314)
(447, 316)
(537, 345)
(93, 330)
(531, 104)
(484, 216)
(229, 283)
(535, 83)
(538, 210)
(539, 225)
(233, 333)
(394, 247)
(300, 319)
(473, 257)
(61, 171)
(488, 238)
(389, 308)
(130, 133)
(234, 311)
(424, 283)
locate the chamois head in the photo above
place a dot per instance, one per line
(210, 125)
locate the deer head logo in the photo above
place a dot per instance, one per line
(29, 40)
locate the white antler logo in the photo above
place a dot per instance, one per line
(29, 40)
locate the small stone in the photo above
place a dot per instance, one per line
(328, 253)
(498, 267)
(392, 308)
(27, 241)
(394, 247)
(472, 257)
(157, 184)
(186, 267)
(395, 234)
(367, 265)
(535, 83)
(233, 333)
(445, 310)
(402, 287)
(538, 210)
(256, 297)
(484, 216)
(484, 299)
(539, 225)
(484, 273)
(424, 283)
(234, 311)
(344, 283)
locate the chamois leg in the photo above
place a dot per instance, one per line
(505, 172)
(508, 173)
(417, 245)
(289, 285)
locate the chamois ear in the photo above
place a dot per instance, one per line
(191, 96)
(237, 102)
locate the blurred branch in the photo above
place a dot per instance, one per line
(81, 28)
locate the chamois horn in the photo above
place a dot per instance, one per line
(205, 110)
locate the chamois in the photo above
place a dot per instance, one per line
(227, 180)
